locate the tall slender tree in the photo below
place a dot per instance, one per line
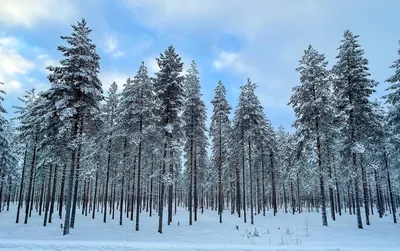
(310, 102)
(352, 88)
(169, 91)
(247, 121)
(77, 92)
(142, 120)
(220, 133)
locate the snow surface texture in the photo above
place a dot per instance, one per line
(282, 232)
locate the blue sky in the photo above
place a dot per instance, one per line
(229, 39)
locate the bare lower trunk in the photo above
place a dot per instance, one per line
(393, 206)
(21, 185)
(28, 195)
(48, 197)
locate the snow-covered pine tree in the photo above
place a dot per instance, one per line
(8, 156)
(220, 133)
(247, 121)
(77, 92)
(309, 101)
(2, 110)
(169, 91)
(28, 131)
(393, 97)
(109, 113)
(352, 88)
(142, 120)
(194, 116)
(383, 144)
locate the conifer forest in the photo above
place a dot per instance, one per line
(144, 149)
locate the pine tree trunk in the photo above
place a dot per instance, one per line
(238, 189)
(151, 185)
(48, 196)
(285, 198)
(379, 199)
(298, 194)
(251, 187)
(292, 197)
(21, 185)
(337, 191)
(53, 194)
(195, 197)
(365, 190)
(69, 194)
(133, 188)
(41, 196)
(138, 198)
(161, 199)
(76, 185)
(107, 180)
(95, 190)
(370, 197)
(113, 201)
(60, 209)
(263, 181)
(274, 202)
(190, 199)
(28, 195)
(258, 190)
(170, 185)
(390, 188)
(358, 207)
(33, 194)
(331, 194)
(243, 179)
(321, 179)
(220, 198)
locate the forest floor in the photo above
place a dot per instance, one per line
(282, 232)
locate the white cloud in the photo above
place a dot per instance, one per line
(28, 13)
(230, 60)
(248, 17)
(261, 23)
(12, 86)
(12, 64)
(151, 64)
(109, 77)
(111, 46)
(45, 60)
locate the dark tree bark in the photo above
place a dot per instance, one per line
(274, 202)
(365, 190)
(162, 191)
(31, 174)
(151, 186)
(251, 186)
(107, 180)
(337, 190)
(46, 212)
(138, 198)
(393, 206)
(21, 185)
(53, 194)
(243, 178)
(60, 208)
(238, 199)
(190, 199)
(358, 207)
(95, 191)
(76, 185)
(195, 196)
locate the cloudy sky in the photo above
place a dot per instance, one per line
(229, 39)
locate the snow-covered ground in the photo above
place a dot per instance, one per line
(282, 232)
